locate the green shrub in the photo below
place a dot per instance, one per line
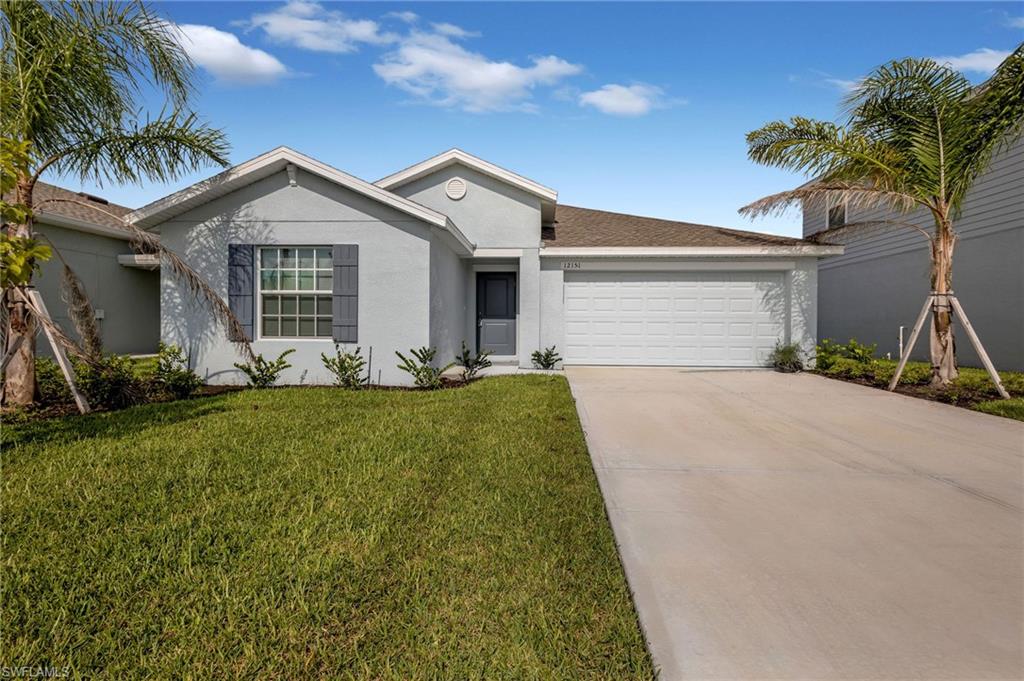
(472, 364)
(172, 374)
(111, 383)
(843, 367)
(264, 374)
(828, 351)
(424, 374)
(347, 367)
(53, 387)
(786, 358)
(546, 359)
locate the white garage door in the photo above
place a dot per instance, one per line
(673, 318)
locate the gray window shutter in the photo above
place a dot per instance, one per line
(241, 286)
(345, 306)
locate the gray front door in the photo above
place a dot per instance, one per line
(496, 312)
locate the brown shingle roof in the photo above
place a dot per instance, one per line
(75, 211)
(575, 227)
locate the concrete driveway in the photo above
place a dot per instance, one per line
(784, 527)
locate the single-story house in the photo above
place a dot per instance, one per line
(880, 283)
(454, 249)
(123, 285)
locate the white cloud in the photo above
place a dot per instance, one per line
(842, 85)
(984, 60)
(1015, 22)
(453, 31)
(223, 55)
(308, 25)
(407, 17)
(435, 69)
(624, 100)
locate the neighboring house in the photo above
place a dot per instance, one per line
(123, 286)
(457, 249)
(881, 282)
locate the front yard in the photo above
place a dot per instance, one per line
(313, 532)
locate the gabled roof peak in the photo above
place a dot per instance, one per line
(456, 155)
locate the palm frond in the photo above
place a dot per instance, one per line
(71, 66)
(829, 193)
(821, 148)
(160, 150)
(81, 312)
(994, 119)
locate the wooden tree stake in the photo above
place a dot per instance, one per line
(58, 352)
(909, 347)
(986, 362)
(932, 301)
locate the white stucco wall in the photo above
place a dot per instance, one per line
(492, 214)
(394, 272)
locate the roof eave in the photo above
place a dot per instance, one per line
(263, 166)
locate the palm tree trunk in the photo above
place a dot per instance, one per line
(19, 387)
(941, 341)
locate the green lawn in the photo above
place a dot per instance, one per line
(305, 532)
(1012, 408)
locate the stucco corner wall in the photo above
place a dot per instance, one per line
(448, 301)
(803, 305)
(394, 273)
(552, 308)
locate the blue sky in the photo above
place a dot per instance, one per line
(632, 107)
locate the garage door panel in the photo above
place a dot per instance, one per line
(673, 318)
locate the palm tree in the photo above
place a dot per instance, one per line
(917, 135)
(72, 76)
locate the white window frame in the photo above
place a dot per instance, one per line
(828, 214)
(315, 292)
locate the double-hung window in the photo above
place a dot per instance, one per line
(295, 286)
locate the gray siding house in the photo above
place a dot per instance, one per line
(879, 284)
(457, 249)
(124, 286)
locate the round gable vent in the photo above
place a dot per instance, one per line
(455, 188)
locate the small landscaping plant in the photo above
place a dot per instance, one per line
(828, 351)
(786, 358)
(173, 375)
(546, 359)
(264, 374)
(472, 364)
(420, 366)
(111, 382)
(347, 367)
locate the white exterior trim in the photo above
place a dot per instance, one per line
(142, 261)
(47, 218)
(458, 156)
(497, 253)
(677, 265)
(263, 166)
(691, 251)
